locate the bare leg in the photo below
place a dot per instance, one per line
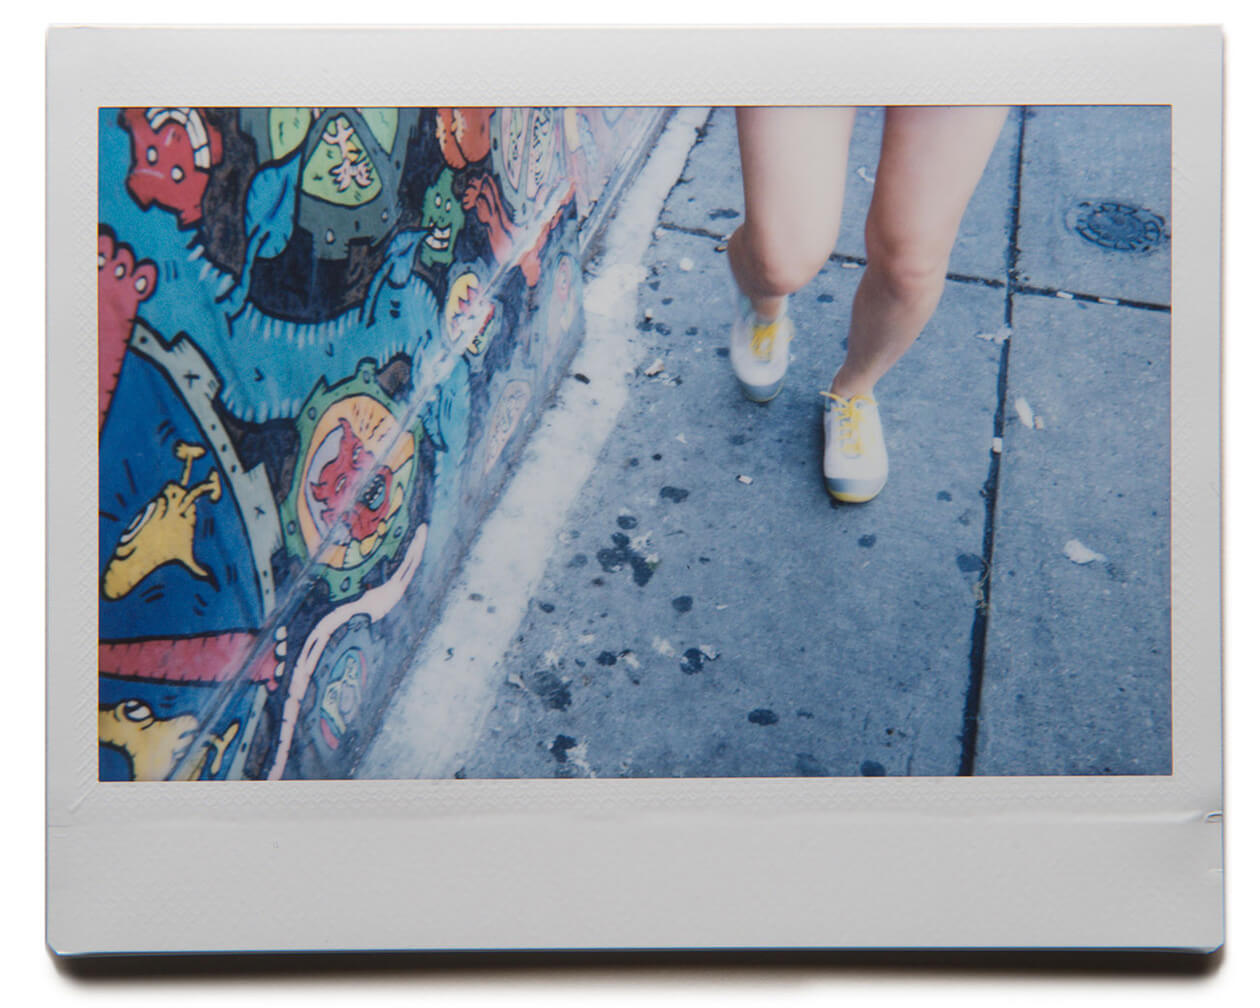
(930, 163)
(793, 162)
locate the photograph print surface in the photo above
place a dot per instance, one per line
(364, 390)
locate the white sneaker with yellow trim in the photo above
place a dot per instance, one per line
(759, 351)
(855, 459)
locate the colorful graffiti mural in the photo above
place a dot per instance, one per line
(320, 333)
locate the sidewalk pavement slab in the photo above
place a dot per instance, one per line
(711, 197)
(691, 624)
(1098, 155)
(1077, 672)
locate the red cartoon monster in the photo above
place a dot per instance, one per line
(172, 153)
(121, 284)
(339, 479)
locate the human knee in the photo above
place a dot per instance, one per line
(911, 267)
(779, 267)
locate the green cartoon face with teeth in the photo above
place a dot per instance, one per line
(442, 219)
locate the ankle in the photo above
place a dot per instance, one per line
(766, 311)
(847, 386)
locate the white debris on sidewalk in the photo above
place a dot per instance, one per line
(746, 480)
(603, 294)
(681, 438)
(686, 264)
(998, 336)
(578, 756)
(655, 368)
(865, 175)
(997, 446)
(1079, 553)
(663, 647)
(1025, 412)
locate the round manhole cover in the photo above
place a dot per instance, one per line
(1121, 227)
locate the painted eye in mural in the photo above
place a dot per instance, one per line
(177, 173)
(437, 200)
(142, 284)
(341, 484)
(100, 262)
(137, 522)
(448, 205)
(151, 155)
(119, 270)
(137, 710)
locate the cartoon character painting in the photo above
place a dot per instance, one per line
(442, 221)
(352, 488)
(173, 151)
(320, 329)
(154, 746)
(358, 468)
(162, 532)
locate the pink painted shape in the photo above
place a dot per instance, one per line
(121, 285)
(375, 604)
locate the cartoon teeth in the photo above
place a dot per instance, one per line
(442, 220)
(190, 119)
(468, 314)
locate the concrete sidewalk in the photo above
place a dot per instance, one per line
(1002, 608)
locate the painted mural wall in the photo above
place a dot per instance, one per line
(323, 334)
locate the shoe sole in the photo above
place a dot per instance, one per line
(854, 491)
(760, 393)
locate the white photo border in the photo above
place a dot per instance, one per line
(994, 862)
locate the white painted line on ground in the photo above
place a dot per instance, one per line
(439, 711)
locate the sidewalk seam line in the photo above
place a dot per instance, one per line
(980, 622)
(1008, 283)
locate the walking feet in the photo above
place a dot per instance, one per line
(759, 352)
(855, 460)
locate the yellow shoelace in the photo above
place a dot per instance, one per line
(763, 336)
(850, 423)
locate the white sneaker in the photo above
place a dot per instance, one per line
(759, 352)
(855, 459)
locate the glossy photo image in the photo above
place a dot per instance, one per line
(633, 442)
